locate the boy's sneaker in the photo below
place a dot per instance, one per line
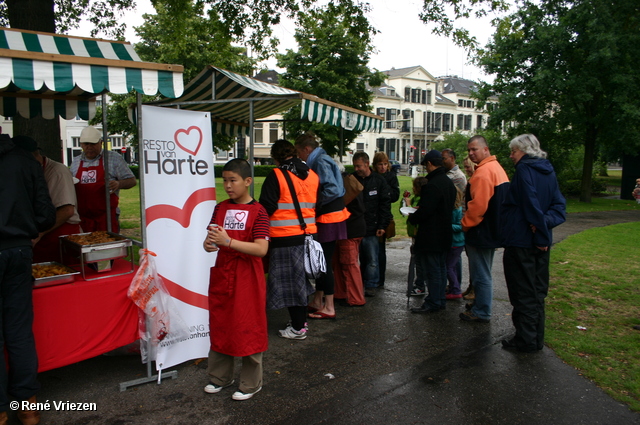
(239, 395)
(305, 326)
(291, 333)
(416, 292)
(213, 388)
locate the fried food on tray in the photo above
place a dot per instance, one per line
(47, 270)
(93, 238)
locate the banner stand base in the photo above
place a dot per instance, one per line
(172, 374)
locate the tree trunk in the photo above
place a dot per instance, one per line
(587, 166)
(36, 15)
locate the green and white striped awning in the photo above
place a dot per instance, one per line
(51, 74)
(339, 116)
(227, 96)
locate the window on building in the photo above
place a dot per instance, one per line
(222, 155)
(424, 97)
(381, 112)
(391, 149)
(428, 97)
(461, 103)
(359, 147)
(257, 133)
(391, 116)
(415, 95)
(479, 120)
(460, 121)
(380, 144)
(273, 132)
(429, 122)
(467, 122)
(407, 94)
(75, 141)
(446, 122)
(116, 141)
(438, 122)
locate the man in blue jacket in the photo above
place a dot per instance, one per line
(533, 206)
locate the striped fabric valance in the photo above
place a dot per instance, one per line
(231, 130)
(333, 115)
(48, 69)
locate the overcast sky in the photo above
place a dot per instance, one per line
(404, 40)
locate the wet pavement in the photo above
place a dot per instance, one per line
(387, 365)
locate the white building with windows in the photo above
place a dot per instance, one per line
(418, 109)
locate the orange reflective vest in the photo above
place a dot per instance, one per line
(284, 221)
(334, 217)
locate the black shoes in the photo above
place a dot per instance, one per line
(424, 309)
(510, 344)
(369, 292)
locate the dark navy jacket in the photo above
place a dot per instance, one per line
(533, 198)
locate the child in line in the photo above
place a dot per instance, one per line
(239, 232)
(419, 285)
(453, 256)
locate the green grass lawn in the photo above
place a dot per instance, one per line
(598, 289)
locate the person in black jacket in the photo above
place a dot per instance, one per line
(377, 217)
(25, 211)
(435, 234)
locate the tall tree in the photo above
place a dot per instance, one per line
(567, 70)
(334, 47)
(188, 37)
(57, 16)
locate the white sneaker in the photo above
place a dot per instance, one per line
(213, 388)
(291, 333)
(239, 395)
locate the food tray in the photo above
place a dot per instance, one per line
(68, 277)
(98, 256)
(97, 252)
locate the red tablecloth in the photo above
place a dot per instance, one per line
(83, 319)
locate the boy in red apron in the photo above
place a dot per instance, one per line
(239, 232)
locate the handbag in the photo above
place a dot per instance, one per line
(390, 231)
(314, 262)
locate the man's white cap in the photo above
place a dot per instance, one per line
(90, 135)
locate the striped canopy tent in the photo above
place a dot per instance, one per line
(56, 75)
(235, 100)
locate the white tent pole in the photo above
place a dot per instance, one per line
(105, 160)
(141, 167)
(251, 133)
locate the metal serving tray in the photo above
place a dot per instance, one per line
(99, 255)
(97, 252)
(68, 277)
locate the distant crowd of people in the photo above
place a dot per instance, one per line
(350, 215)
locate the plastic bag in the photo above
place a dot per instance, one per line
(314, 262)
(160, 321)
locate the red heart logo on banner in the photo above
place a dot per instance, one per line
(240, 216)
(189, 141)
(91, 174)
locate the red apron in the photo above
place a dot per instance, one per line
(237, 288)
(92, 206)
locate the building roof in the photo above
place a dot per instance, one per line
(271, 76)
(454, 84)
(444, 100)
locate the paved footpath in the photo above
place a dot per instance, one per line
(387, 366)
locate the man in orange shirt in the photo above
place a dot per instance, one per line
(486, 191)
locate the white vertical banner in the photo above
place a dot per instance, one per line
(179, 198)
